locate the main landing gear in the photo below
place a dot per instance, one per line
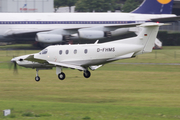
(87, 74)
(61, 76)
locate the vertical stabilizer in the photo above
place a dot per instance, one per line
(155, 7)
(147, 36)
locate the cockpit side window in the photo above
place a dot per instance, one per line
(44, 51)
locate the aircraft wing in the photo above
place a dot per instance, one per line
(32, 59)
(66, 31)
(24, 31)
(110, 27)
(67, 65)
(166, 19)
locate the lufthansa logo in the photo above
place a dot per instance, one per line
(164, 1)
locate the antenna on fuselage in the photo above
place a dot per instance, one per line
(96, 42)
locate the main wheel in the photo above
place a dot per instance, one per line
(61, 76)
(87, 74)
(37, 78)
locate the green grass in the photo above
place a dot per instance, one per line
(113, 92)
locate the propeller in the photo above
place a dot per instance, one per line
(14, 64)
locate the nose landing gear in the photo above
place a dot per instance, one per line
(37, 78)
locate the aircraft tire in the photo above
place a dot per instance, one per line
(87, 74)
(37, 78)
(61, 76)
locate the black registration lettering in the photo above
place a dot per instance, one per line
(106, 49)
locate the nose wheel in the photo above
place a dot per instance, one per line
(37, 78)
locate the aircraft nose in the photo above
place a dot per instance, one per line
(13, 60)
(16, 59)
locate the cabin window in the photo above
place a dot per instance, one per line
(85, 51)
(67, 51)
(60, 52)
(75, 51)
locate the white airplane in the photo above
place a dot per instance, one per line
(62, 27)
(90, 56)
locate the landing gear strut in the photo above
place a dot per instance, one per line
(37, 78)
(61, 76)
(87, 74)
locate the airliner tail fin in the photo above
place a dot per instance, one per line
(155, 7)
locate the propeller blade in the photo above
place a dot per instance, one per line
(14, 64)
(15, 68)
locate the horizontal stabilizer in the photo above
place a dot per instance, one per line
(167, 19)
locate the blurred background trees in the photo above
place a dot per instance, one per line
(99, 5)
(60, 3)
(130, 5)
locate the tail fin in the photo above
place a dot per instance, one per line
(147, 36)
(155, 7)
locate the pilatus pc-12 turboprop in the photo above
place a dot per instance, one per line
(90, 56)
(62, 27)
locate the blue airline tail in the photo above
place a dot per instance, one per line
(155, 7)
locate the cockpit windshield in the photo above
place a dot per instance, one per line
(44, 51)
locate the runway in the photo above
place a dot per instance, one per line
(146, 63)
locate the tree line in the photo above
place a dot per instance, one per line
(99, 5)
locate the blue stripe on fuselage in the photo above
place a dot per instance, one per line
(70, 22)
